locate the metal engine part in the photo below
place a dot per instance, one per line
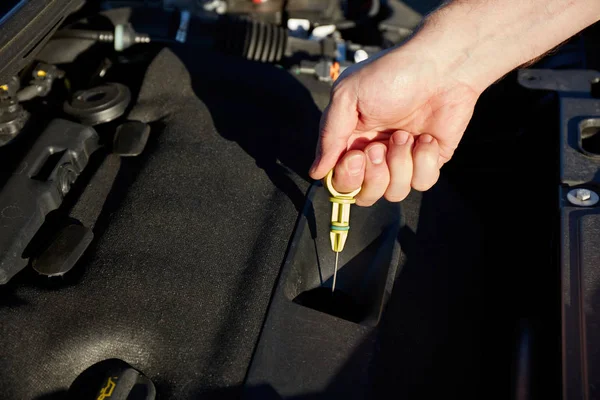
(12, 119)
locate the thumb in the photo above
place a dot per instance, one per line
(337, 124)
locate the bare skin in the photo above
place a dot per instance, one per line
(395, 120)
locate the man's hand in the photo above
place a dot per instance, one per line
(391, 124)
(394, 120)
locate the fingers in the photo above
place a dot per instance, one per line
(426, 169)
(389, 171)
(377, 175)
(337, 124)
(400, 163)
(349, 172)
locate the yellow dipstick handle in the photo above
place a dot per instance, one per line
(340, 214)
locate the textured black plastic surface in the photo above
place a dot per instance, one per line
(307, 324)
(367, 264)
(189, 244)
(38, 186)
(26, 28)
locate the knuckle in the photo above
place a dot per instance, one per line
(395, 197)
(365, 203)
(343, 90)
(369, 198)
(366, 197)
(344, 76)
(346, 183)
(339, 94)
(421, 186)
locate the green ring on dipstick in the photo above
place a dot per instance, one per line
(340, 228)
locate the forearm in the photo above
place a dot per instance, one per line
(478, 41)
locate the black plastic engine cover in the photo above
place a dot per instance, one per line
(38, 187)
(308, 324)
(188, 247)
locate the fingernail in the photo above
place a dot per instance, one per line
(426, 138)
(355, 164)
(376, 154)
(400, 138)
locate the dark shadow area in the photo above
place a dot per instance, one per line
(8, 298)
(430, 340)
(57, 395)
(523, 359)
(591, 319)
(311, 222)
(276, 120)
(520, 275)
(338, 303)
(589, 130)
(357, 293)
(233, 392)
(591, 37)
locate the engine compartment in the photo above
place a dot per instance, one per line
(187, 277)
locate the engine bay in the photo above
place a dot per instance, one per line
(160, 231)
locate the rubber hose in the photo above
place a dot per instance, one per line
(253, 40)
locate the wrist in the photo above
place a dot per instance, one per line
(463, 50)
(476, 43)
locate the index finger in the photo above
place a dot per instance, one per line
(337, 124)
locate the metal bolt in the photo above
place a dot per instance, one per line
(583, 194)
(583, 197)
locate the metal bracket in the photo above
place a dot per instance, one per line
(573, 81)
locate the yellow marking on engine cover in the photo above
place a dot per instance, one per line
(107, 390)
